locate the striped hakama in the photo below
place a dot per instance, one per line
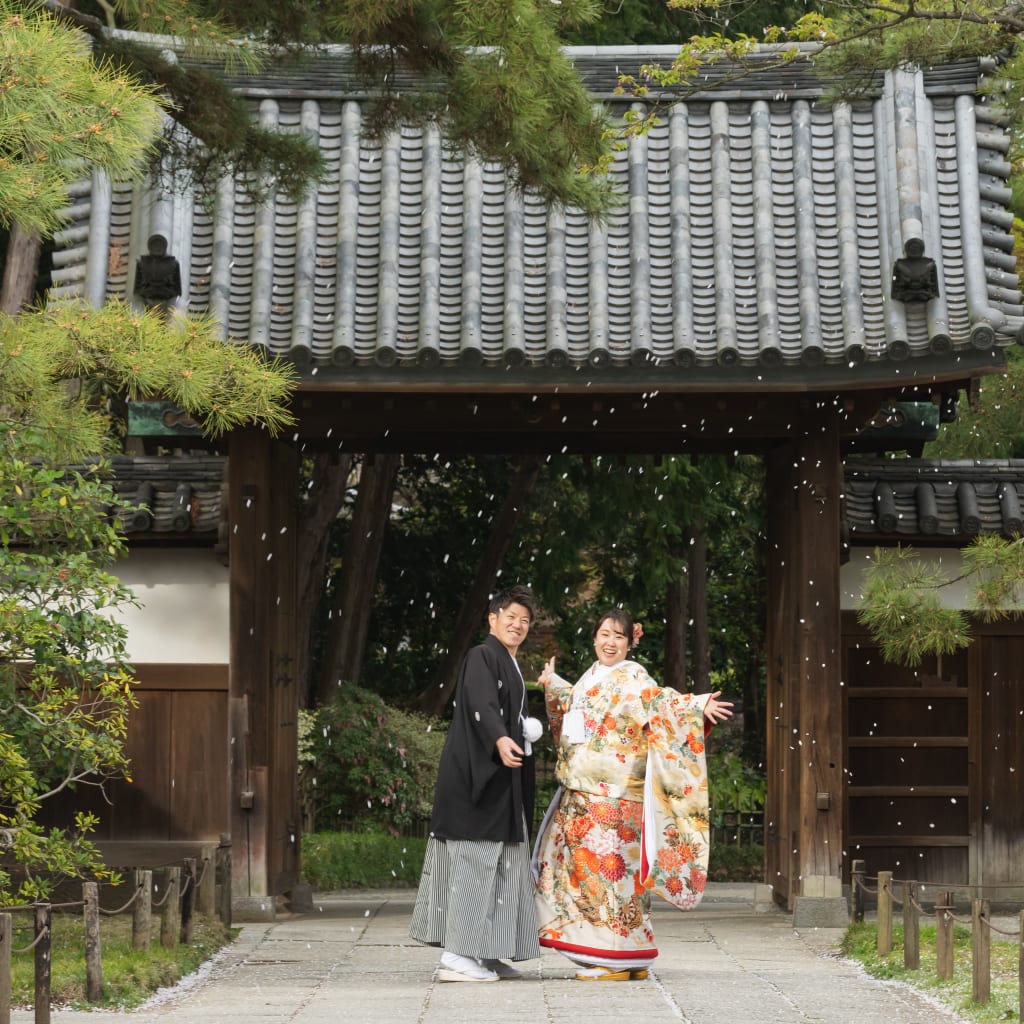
(476, 899)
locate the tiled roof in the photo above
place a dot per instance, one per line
(888, 499)
(883, 498)
(175, 495)
(755, 246)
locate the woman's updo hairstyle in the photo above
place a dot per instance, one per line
(623, 623)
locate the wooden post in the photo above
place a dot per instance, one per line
(6, 935)
(944, 936)
(170, 920)
(206, 894)
(44, 918)
(884, 912)
(93, 955)
(142, 910)
(223, 875)
(981, 948)
(911, 928)
(188, 901)
(857, 885)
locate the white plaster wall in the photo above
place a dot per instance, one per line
(183, 613)
(946, 559)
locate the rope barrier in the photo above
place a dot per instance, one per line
(1015, 934)
(121, 910)
(972, 886)
(942, 887)
(896, 900)
(161, 902)
(35, 942)
(953, 917)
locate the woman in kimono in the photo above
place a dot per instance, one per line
(631, 816)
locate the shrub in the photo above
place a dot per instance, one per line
(365, 763)
(730, 863)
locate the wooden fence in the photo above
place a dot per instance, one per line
(189, 888)
(907, 896)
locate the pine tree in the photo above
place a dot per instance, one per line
(65, 681)
(493, 77)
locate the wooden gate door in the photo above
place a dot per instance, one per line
(908, 793)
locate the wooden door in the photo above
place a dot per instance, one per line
(908, 806)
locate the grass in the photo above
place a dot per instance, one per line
(130, 976)
(860, 943)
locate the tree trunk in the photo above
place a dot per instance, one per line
(360, 558)
(318, 511)
(20, 271)
(698, 558)
(753, 706)
(434, 699)
(677, 614)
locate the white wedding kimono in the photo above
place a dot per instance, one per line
(631, 817)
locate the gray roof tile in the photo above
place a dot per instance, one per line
(755, 242)
(952, 499)
(172, 495)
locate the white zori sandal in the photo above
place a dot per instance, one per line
(463, 968)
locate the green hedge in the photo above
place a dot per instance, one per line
(376, 860)
(361, 860)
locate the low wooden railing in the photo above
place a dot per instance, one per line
(187, 887)
(909, 900)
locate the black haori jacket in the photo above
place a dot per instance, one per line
(477, 797)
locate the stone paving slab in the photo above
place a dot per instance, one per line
(350, 961)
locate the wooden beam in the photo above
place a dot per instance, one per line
(652, 422)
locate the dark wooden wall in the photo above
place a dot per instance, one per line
(179, 776)
(934, 759)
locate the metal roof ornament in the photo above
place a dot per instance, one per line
(915, 277)
(157, 276)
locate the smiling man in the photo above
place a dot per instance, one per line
(475, 897)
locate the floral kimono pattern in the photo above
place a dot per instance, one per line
(630, 819)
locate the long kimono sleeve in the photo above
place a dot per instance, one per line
(676, 814)
(557, 697)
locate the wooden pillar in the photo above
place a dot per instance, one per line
(263, 494)
(251, 542)
(782, 696)
(285, 821)
(803, 820)
(819, 738)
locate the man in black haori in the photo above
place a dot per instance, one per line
(475, 897)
